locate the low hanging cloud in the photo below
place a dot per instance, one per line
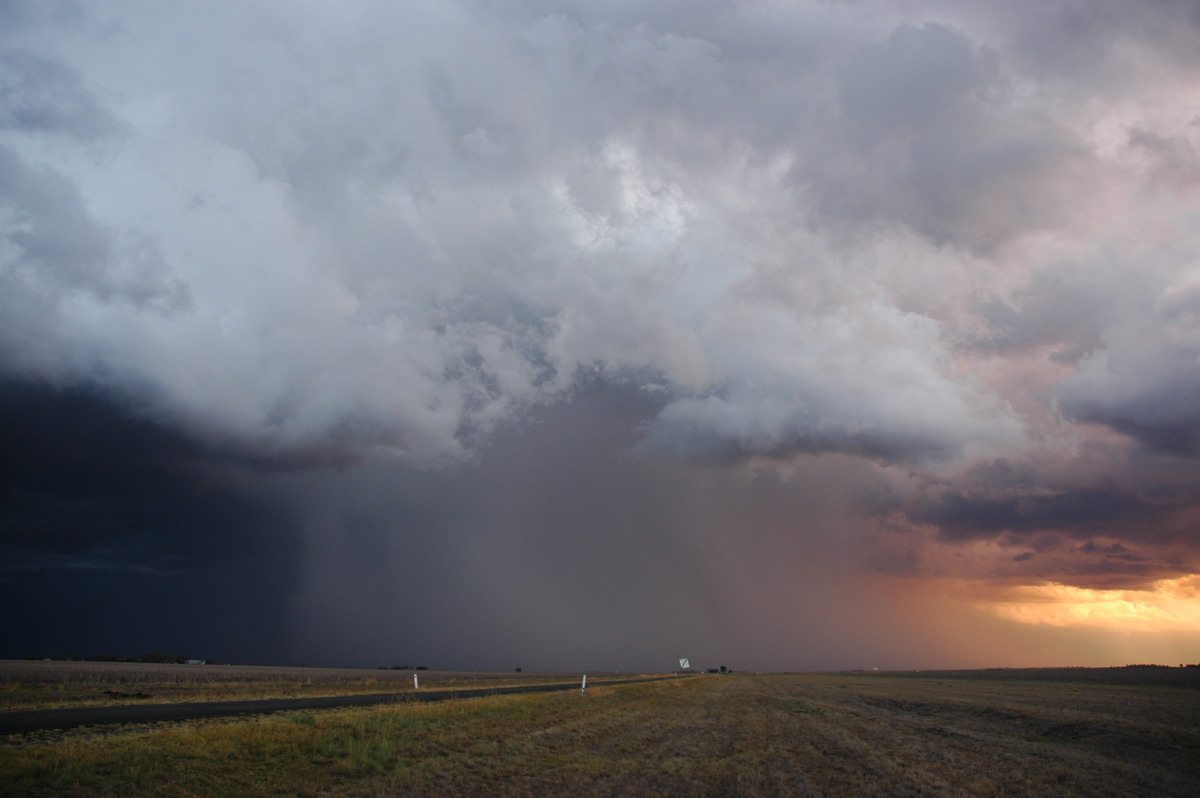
(878, 383)
(1144, 381)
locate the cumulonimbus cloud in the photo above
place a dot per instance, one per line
(736, 304)
(325, 242)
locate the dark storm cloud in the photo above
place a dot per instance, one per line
(101, 509)
(1029, 522)
(44, 95)
(938, 143)
(505, 304)
(488, 235)
(915, 76)
(1175, 159)
(1073, 39)
(52, 234)
(57, 253)
(1144, 382)
(81, 475)
(1067, 310)
(1080, 513)
(716, 429)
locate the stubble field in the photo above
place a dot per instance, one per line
(36, 684)
(785, 735)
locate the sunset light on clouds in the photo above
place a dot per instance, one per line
(784, 335)
(1169, 605)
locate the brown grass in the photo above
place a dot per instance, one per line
(829, 735)
(36, 684)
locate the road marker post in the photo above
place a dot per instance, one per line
(583, 686)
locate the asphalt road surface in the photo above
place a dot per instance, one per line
(43, 719)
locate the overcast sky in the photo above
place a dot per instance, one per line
(578, 335)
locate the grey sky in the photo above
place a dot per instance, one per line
(708, 255)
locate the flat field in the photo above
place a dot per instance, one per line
(36, 684)
(777, 735)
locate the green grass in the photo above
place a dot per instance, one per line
(717, 735)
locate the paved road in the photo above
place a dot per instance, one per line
(42, 719)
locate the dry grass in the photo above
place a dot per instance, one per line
(35, 684)
(829, 735)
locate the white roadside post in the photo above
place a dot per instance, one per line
(583, 686)
(416, 686)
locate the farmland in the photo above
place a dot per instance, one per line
(34, 684)
(803, 734)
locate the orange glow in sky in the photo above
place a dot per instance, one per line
(1171, 605)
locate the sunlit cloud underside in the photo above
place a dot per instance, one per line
(1170, 605)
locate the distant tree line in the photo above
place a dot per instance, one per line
(403, 668)
(156, 657)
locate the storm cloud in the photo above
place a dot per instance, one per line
(567, 310)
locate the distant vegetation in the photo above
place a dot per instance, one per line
(148, 658)
(1197, 665)
(1133, 675)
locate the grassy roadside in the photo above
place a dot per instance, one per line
(52, 685)
(827, 735)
